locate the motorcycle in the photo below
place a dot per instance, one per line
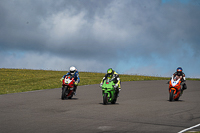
(109, 92)
(174, 89)
(67, 87)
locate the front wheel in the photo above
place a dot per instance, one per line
(171, 95)
(64, 93)
(105, 99)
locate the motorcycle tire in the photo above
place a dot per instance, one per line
(70, 97)
(115, 99)
(105, 99)
(176, 99)
(171, 95)
(64, 93)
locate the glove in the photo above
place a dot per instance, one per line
(61, 79)
(116, 85)
(76, 83)
(101, 84)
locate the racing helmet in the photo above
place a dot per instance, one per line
(179, 71)
(110, 72)
(72, 70)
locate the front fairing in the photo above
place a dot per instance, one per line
(176, 86)
(108, 88)
(68, 82)
(108, 85)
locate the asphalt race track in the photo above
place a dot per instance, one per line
(142, 107)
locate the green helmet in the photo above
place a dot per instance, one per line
(110, 72)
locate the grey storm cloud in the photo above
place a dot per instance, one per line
(106, 31)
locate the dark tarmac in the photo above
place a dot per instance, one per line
(142, 107)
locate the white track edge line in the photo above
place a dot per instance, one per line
(189, 128)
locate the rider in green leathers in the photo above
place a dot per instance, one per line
(111, 74)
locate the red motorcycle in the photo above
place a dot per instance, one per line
(67, 87)
(174, 89)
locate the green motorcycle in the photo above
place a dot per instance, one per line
(109, 92)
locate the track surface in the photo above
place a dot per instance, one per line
(142, 107)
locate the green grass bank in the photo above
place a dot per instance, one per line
(22, 80)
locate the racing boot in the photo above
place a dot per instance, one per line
(117, 91)
(74, 89)
(184, 87)
(181, 92)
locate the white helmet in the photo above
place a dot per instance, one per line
(72, 70)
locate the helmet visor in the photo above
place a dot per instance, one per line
(179, 69)
(72, 72)
(109, 75)
(179, 73)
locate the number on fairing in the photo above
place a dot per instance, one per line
(174, 83)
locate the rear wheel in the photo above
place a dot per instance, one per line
(177, 99)
(171, 95)
(114, 101)
(105, 99)
(115, 98)
(70, 96)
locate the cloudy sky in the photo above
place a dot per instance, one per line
(144, 37)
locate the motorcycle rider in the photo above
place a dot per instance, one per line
(74, 73)
(111, 74)
(179, 74)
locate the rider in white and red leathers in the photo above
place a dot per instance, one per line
(74, 73)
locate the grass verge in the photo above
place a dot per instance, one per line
(22, 80)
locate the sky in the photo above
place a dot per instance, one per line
(142, 37)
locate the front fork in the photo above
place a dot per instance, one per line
(176, 92)
(105, 91)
